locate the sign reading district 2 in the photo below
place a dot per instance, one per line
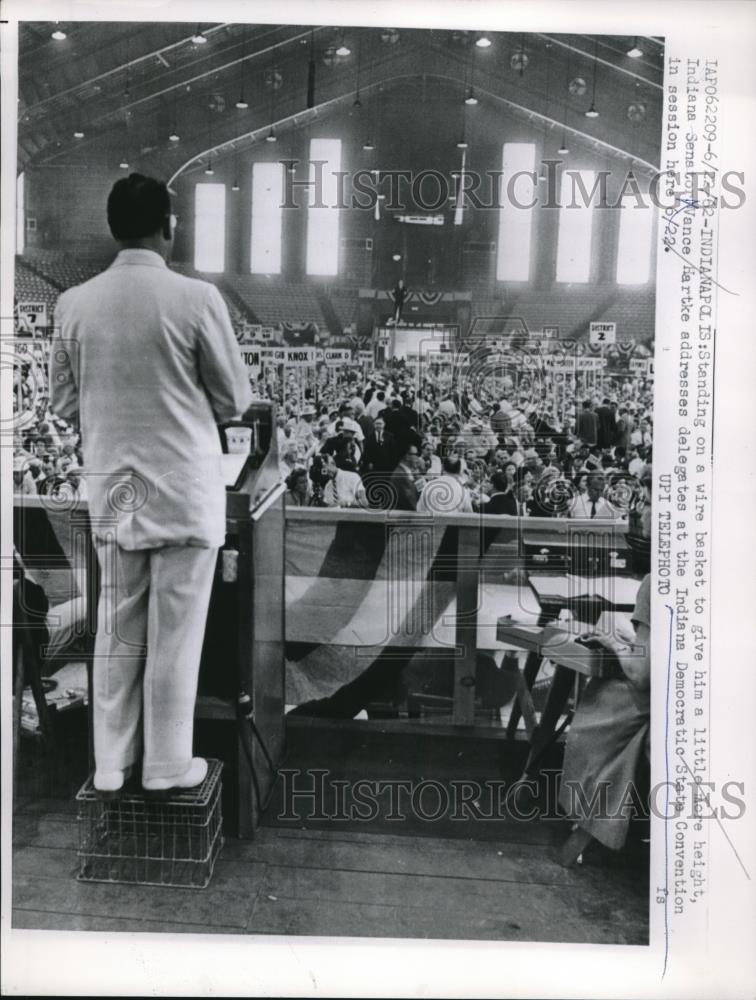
(603, 333)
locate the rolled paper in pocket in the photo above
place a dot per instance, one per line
(238, 440)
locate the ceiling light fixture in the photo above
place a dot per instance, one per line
(209, 170)
(174, 137)
(241, 104)
(368, 145)
(592, 112)
(471, 99)
(634, 52)
(563, 150)
(271, 136)
(59, 35)
(78, 134)
(198, 37)
(484, 42)
(235, 186)
(124, 164)
(357, 102)
(462, 144)
(343, 49)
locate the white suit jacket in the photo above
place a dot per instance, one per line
(149, 361)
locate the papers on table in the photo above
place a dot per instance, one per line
(560, 645)
(620, 591)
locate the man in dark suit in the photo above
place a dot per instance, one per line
(409, 415)
(403, 477)
(399, 295)
(380, 449)
(393, 417)
(586, 424)
(365, 421)
(607, 424)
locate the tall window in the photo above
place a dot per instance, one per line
(20, 214)
(210, 228)
(575, 226)
(515, 223)
(634, 248)
(267, 218)
(322, 209)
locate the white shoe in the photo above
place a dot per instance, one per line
(192, 777)
(110, 783)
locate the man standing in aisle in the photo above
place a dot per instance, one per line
(148, 361)
(586, 424)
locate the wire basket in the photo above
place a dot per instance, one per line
(138, 840)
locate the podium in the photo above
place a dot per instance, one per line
(242, 671)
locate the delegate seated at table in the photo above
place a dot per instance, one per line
(608, 738)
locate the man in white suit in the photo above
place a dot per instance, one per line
(148, 360)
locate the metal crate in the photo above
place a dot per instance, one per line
(138, 840)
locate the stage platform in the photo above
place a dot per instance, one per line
(487, 880)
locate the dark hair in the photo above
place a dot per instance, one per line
(138, 206)
(522, 471)
(499, 482)
(452, 465)
(406, 439)
(294, 475)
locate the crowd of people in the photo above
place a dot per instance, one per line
(431, 440)
(47, 456)
(393, 440)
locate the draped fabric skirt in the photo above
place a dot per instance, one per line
(607, 743)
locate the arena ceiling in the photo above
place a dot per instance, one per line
(111, 91)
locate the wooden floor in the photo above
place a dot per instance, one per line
(505, 885)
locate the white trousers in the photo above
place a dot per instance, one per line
(150, 629)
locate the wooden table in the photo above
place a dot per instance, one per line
(571, 659)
